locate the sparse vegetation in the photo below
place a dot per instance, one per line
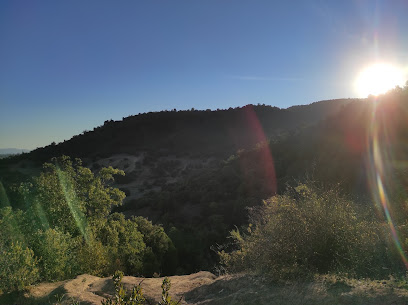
(121, 297)
(136, 296)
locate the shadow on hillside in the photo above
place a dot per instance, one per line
(23, 298)
(250, 290)
(105, 288)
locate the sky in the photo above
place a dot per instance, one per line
(67, 66)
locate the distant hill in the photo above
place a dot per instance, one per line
(12, 151)
(199, 132)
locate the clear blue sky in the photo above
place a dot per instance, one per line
(67, 66)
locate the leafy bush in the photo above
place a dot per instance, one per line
(124, 242)
(92, 257)
(18, 267)
(55, 252)
(160, 254)
(11, 224)
(305, 231)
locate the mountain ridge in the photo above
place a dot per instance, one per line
(12, 151)
(210, 132)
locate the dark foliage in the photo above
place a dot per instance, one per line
(218, 133)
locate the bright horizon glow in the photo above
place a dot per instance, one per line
(379, 78)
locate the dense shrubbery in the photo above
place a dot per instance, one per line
(308, 231)
(67, 228)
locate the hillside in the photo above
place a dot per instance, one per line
(209, 133)
(162, 148)
(203, 203)
(176, 174)
(199, 189)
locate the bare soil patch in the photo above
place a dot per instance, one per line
(204, 288)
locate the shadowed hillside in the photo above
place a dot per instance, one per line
(196, 172)
(213, 133)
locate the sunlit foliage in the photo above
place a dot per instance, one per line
(68, 229)
(18, 267)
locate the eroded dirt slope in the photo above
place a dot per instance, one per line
(204, 288)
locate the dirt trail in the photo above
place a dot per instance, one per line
(88, 289)
(204, 288)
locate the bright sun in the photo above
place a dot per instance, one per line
(379, 78)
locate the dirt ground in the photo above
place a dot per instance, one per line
(205, 288)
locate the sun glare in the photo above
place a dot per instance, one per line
(378, 79)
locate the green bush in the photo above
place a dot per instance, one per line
(91, 257)
(160, 255)
(308, 231)
(54, 250)
(124, 243)
(11, 225)
(18, 267)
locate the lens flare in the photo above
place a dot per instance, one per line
(378, 157)
(4, 201)
(267, 172)
(73, 203)
(40, 213)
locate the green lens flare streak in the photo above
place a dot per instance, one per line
(73, 204)
(4, 202)
(40, 213)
